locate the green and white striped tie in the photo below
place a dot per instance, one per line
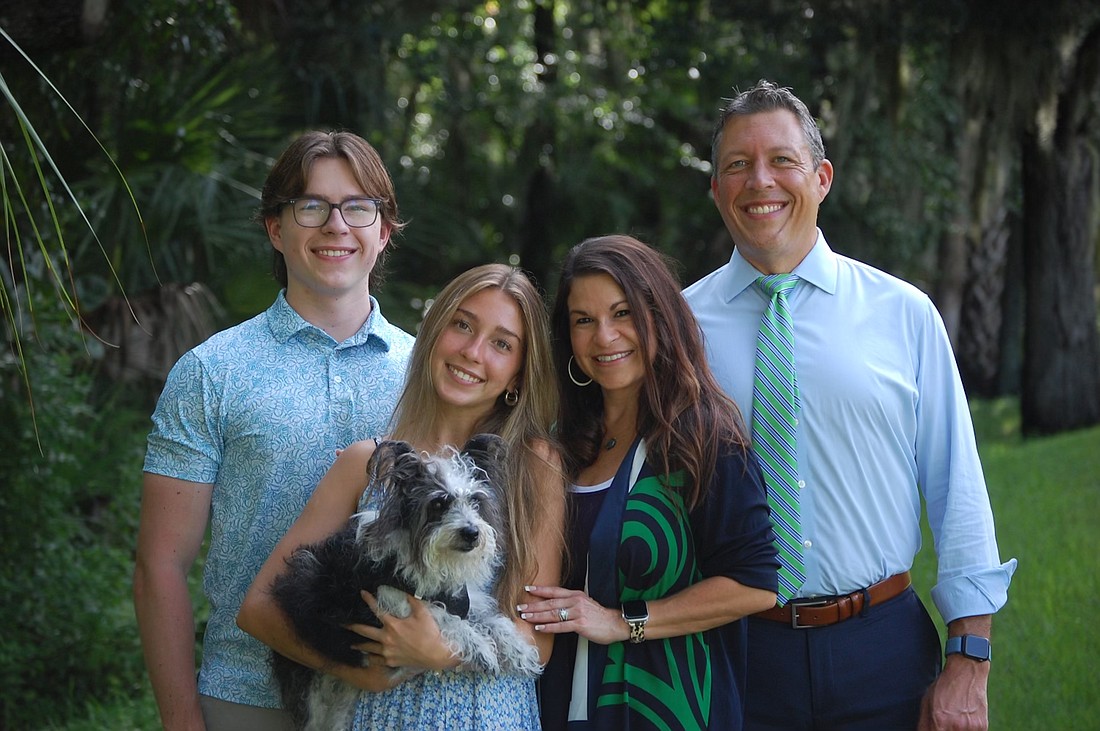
(775, 408)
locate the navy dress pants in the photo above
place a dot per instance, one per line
(866, 673)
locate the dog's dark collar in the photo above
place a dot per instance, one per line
(457, 604)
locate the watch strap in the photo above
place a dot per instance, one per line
(636, 614)
(973, 646)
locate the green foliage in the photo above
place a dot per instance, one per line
(517, 129)
(68, 517)
(32, 190)
(191, 134)
(158, 194)
(117, 712)
(513, 130)
(69, 508)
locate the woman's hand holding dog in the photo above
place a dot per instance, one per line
(565, 610)
(412, 642)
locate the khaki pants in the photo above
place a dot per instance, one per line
(222, 715)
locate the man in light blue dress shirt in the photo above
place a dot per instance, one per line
(884, 421)
(250, 420)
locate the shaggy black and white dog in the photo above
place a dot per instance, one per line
(437, 536)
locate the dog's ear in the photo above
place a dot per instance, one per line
(395, 469)
(394, 462)
(488, 452)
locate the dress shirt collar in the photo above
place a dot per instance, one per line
(819, 268)
(285, 322)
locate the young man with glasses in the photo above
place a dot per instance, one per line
(250, 420)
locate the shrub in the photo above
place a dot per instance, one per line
(68, 516)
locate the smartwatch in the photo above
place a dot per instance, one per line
(972, 646)
(636, 614)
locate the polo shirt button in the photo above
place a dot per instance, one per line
(338, 379)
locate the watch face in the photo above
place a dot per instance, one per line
(976, 647)
(635, 610)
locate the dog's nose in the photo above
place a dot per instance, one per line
(469, 534)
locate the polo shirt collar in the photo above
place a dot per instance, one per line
(285, 323)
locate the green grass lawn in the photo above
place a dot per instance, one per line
(1046, 641)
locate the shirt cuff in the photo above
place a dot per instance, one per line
(974, 595)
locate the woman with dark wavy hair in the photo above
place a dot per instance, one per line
(670, 537)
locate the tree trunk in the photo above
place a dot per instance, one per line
(535, 231)
(47, 26)
(981, 315)
(974, 251)
(1010, 369)
(1061, 384)
(952, 252)
(979, 350)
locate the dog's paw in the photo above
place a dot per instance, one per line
(470, 641)
(393, 601)
(515, 652)
(479, 654)
(330, 704)
(398, 674)
(522, 658)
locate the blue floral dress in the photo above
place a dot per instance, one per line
(451, 700)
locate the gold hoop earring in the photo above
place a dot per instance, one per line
(569, 370)
(511, 398)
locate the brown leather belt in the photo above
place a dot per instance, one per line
(803, 613)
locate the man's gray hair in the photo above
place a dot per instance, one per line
(767, 96)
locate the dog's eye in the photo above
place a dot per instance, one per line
(439, 505)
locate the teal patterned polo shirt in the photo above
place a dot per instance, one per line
(259, 411)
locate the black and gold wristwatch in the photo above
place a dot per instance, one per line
(636, 614)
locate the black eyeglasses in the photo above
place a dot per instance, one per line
(314, 212)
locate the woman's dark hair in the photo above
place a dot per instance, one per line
(684, 416)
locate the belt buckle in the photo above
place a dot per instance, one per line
(794, 611)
